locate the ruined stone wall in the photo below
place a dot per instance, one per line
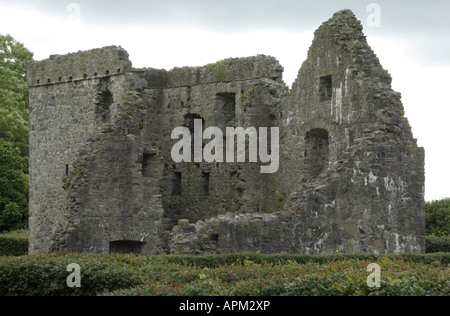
(102, 178)
(209, 189)
(114, 199)
(112, 147)
(86, 183)
(54, 146)
(351, 177)
(69, 104)
(231, 93)
(371, 185)
(97, 63)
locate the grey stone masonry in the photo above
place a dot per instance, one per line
(102, 178)
(97, 63)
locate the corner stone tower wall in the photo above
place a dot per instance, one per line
(85, 183)
(102, 178)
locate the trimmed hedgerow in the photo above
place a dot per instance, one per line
(438, 218)
(14, 243)
(332, 278)
(226, 275)
(215, 261)
(438, 244)
(47, 275)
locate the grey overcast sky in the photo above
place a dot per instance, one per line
(412, 41)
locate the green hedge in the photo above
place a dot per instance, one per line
(215, 261)
(47, 275)
(336, 277)
(14, 243)
(438, 218)
(438, 244)
(228, 275)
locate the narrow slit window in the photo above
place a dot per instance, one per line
(149, 165)
(104, 102)
(326, 88)
(317, 151)
(206, 176)
(177, 184)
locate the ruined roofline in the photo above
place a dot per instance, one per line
(110, 61)
(227, 70)
(346, 34)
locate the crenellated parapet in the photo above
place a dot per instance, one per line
(96, 63)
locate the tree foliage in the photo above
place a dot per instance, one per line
(13, 187)
(438, 218)
(14, 56)
(14, 59)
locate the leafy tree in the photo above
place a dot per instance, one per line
(438, 218)
(13, 109)
(14, 56)
(14, 59)
(13, 187)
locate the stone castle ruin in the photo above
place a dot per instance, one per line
(102, 180)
